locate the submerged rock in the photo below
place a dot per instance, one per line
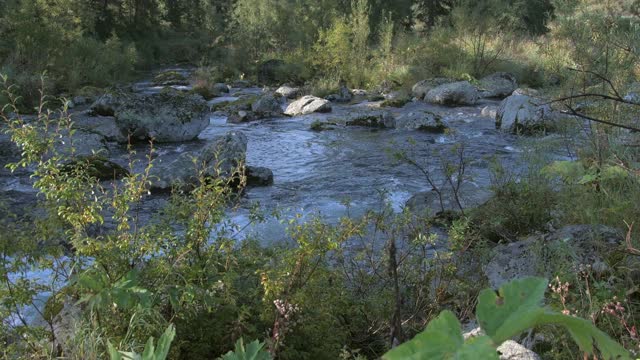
(308, 104)
(453, 94)
(498, 85)
(168, 116)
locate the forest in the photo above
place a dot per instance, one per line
(319, 179)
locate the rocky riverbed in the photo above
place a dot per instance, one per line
(311, 156)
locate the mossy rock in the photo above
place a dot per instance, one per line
(97, 167)
(204, 91)
(169, 78)
(322, 126)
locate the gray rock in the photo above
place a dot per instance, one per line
(267, 106)
(421, 88)
(498, 85)
(511, 350)
(422, 121)
(80, 144)
(458, 93)
(508, 350)
(522, 114)
(587, 244)
(80, 100)
(344, 95)
(102, 125)
(288, 92)
(258, 176)
(376, 119)
(168, 116)
(241, 84)
(241, 116)
(66, 323)
(221, 158)
(307, 105)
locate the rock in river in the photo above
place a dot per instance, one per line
(307, 105)
(453, 94)
(168, 116)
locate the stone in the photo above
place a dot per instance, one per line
(97, 167)
(258, 176)
(288, 92)
(521, 114)
(378, 119)
(308, 104)
(587, 243)
(498, 85)
(219, 159)
(453, 94)
(168, 116)
(344, 95)
(421, 88)
(421, 121)
(511, 350)
(105, 126)
(267, 106)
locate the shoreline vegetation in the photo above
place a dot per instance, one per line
(110, 248)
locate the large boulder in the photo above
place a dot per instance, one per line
(498, 85)
(421, 88)
(101, 125)
(267, 106)
(453, 94)
(422, 121)
(221, 158)
(288, 92)
(521, 114)
(307, 105)
(80, 143)
(585, 245)
(168, 116)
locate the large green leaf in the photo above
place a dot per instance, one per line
(252, 351)
(516, 308)
(442, 339)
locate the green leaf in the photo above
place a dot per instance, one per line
(442, 339)
(253, 351)
(587, 336)
(515, 309)
(518, 307)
